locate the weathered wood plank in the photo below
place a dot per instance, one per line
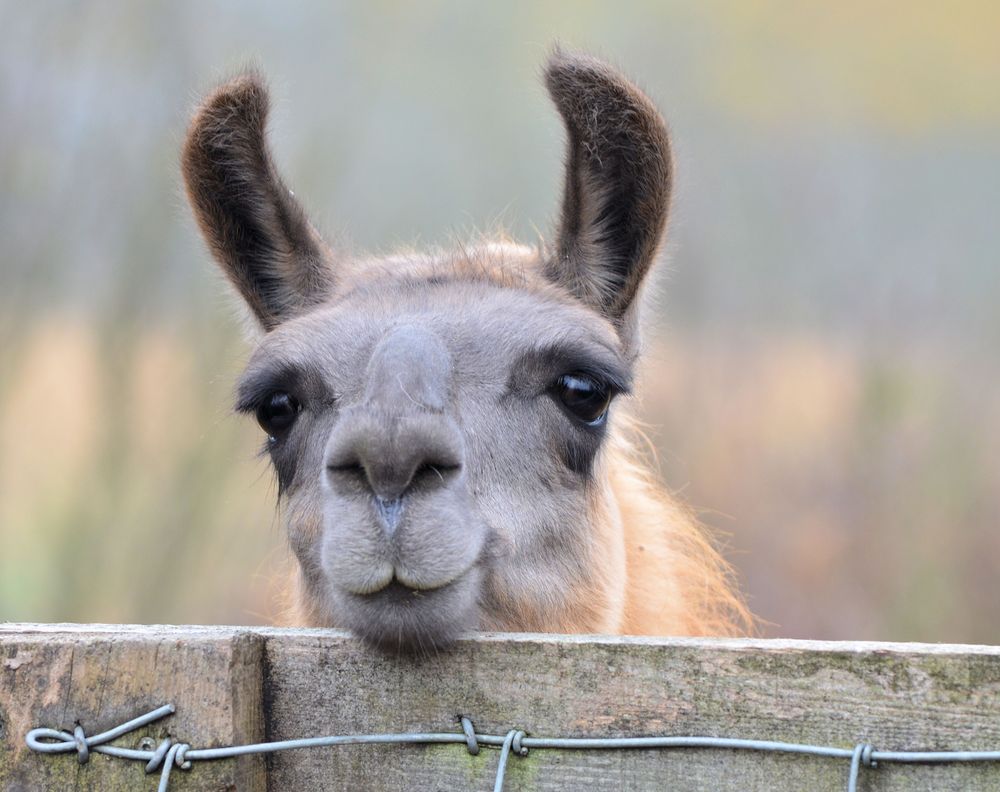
(894, 696)
(303, 683)
(104, 676)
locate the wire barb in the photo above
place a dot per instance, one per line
(862, 755)
(170, 753)
(83, 750)
(470, 735)
(508, 743)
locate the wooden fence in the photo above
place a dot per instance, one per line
(239, 685)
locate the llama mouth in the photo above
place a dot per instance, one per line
(388, 579)
(402, 618)
(398, 593)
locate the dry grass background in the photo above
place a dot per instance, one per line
(822, 379)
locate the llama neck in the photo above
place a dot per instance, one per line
(677, 583)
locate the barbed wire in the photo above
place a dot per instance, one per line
(171, 753)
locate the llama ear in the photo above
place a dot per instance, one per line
(617, 190)
(253, 225)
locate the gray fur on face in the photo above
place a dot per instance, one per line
(434, 478)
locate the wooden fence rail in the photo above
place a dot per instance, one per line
(235, 685)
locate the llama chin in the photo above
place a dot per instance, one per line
(450, 428)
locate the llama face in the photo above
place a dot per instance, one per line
(436, 422)
(444, 435)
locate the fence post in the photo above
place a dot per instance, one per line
(104, 675)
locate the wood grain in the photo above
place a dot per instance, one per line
(231, 683)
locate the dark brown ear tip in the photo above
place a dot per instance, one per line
(572, 72)
(243, 99)
(227, 127)
(592, 95)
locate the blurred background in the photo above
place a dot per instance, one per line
(822, 382)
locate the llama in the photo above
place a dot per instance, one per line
(449, 430)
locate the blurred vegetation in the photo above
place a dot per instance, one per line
(822, 378)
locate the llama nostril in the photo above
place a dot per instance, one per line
(348, 468)
(347, 472)
(435, 472)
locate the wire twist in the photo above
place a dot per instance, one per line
(862, 755)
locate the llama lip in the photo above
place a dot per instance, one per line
(424, 540)
(398, 593)
(419, 577)
(378, 577)
(399, 618)
(386, 578)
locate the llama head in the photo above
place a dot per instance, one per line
(438, 422)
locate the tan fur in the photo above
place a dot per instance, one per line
(678, 583)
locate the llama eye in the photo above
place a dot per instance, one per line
(584, 396)
(278, 412)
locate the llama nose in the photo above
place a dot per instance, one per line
(399, 436)
(409, 370)
(391, 456)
